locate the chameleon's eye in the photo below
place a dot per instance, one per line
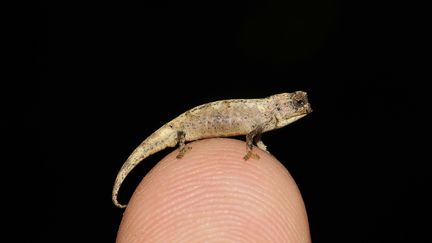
(300, 102)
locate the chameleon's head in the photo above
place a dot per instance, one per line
(289, 107)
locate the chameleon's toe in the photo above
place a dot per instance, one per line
(249, 155)
(183, 151)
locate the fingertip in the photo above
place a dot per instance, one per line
(212, 193)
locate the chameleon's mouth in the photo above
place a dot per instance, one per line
(305, 110)
(295, 118)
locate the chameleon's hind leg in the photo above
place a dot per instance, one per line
(249, 143)
(183, 148)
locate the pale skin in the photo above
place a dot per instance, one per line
(250, 117)
(213, 195)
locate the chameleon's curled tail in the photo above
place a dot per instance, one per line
(162, 138)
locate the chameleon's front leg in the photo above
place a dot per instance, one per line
(181, 137)
(254, 135)
(259, 142)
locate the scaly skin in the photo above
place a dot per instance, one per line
(224, 118)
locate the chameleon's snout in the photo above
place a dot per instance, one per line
(308, 109)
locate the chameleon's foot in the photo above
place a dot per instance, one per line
(249, 155)
(254, 134)
(262, 146)
(182, 151)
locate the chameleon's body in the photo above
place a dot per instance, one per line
(225, 118)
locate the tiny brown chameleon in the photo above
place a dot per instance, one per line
(225, 118)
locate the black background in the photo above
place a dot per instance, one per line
(111, 73)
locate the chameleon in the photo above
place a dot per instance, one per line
(224, 118)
